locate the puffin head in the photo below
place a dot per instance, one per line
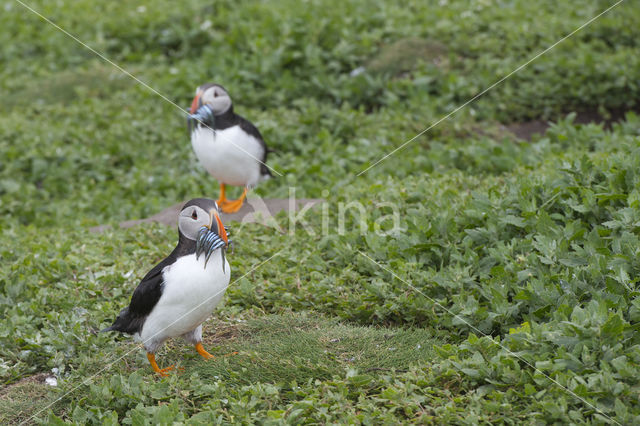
(213, 95)
(201, 213)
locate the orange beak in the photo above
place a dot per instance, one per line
(221, 231)
(195, 103)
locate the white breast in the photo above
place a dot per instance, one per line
(232, 156)
(190, 293)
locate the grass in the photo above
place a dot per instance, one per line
(64, 87)
(20, 400)
(522, 255)
(297, 348)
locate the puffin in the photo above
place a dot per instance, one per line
(228, 145)
(179, 293)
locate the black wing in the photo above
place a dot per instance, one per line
(248, 127)
(144, 298)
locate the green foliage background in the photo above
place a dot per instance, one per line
(534, 244)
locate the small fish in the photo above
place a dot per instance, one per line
(201, 233)
(208, 242)
(204, 115)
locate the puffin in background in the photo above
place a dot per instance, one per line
(229, 147)
(180, 293)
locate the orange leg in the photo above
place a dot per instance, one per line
(206, 355)
(223, 198)
(203, 353)
(152, 360)
(232, 206)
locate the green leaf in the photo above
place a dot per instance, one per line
(613, 327)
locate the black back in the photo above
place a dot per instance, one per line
(146, 295)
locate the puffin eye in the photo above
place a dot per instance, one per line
(194, 215)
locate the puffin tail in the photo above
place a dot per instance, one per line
(125, 324)
(265, 173)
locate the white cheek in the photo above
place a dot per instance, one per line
(221, 105)
(193, 230)
(189, 227)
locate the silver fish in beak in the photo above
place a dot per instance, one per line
(208, 242)
(203, 115)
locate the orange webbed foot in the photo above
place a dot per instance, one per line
(203, 353)
(231, 206)
(162, 372)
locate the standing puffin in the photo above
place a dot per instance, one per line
(228, 145)
(180, 292)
